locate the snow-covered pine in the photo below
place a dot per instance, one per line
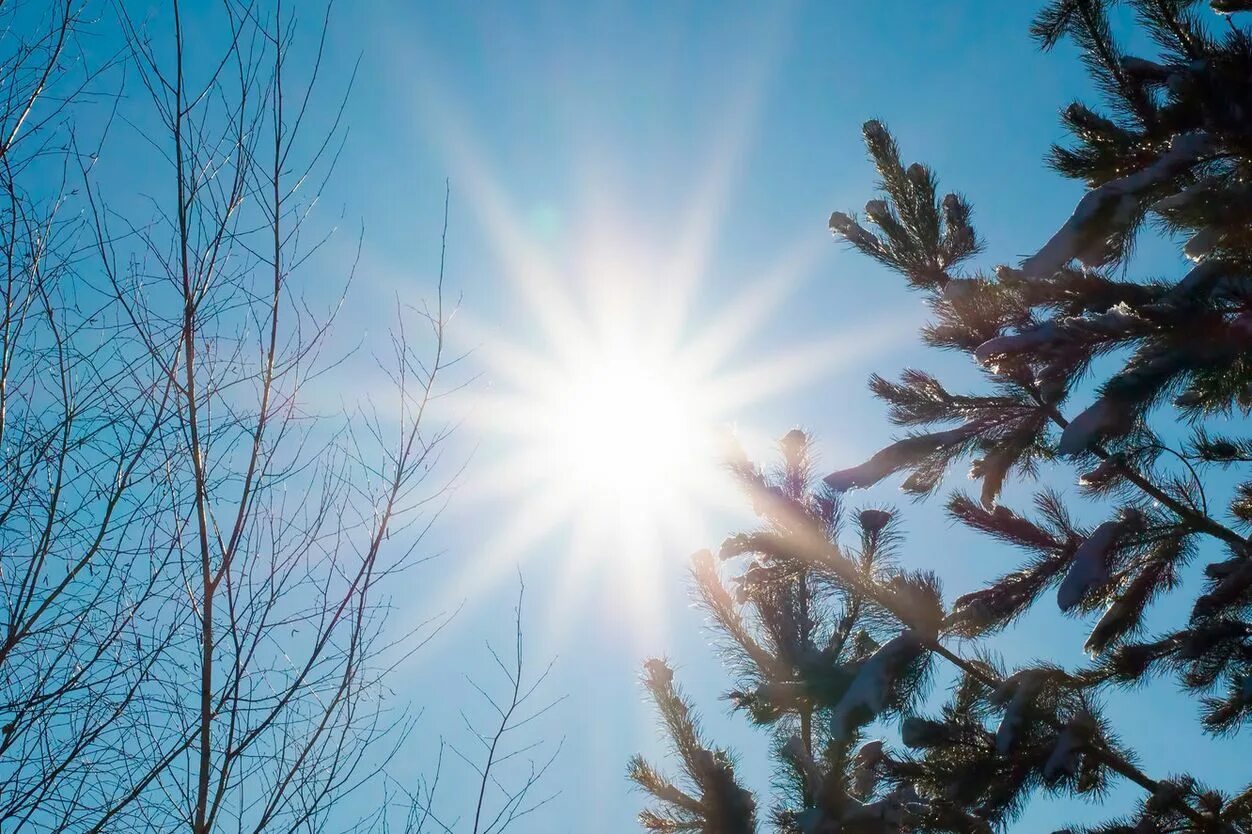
(1167, 793)
(1220, 570)
(795, 752)
(1173, 149)
(1030, 339)
(1185, 197)
(889, 811)
(1103, 473)
(1090, 121)
(1066, 753)
(871, 688)
(815, 821)
(1006, 274)
(1110, 623)
(1073, 240)
(1143, 68)
(1178, 81)
(716, 777)
(1101, 418)
(843, 225)
(873, 521)
(1229, 7)
(897, 456)
(1213, 278)
(1241, 325)
(1201, 244)
(1089, 568)
(1227, 589)
(958, 290)
(659, 670)
(1016, 693)
(1052, 337)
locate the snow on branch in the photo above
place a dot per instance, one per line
(897, 456)
(874, 681)
(1016, 694)
(1121, 195)
(1064, 758)
(1090, 567)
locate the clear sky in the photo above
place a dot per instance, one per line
(679, 161)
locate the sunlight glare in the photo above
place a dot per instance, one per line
(611, 370)
(605, 422)
(623, 428)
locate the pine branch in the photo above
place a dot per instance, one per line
(835, 562)
(1201, 522)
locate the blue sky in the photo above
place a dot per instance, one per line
(724, 133)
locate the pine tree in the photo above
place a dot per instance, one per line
(1169, 150)
(817, 656)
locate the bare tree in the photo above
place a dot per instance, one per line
(80, 421)
(194, 555)
(509, 769)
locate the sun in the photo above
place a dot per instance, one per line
(608, 428)
(614, 354)
(610, 382)
(606, 420)
(625, 429)
(615, 346)
(605, 410)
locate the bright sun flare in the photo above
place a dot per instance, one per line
(613, 368)
(607, 426)
(614, 371)
(612, 434)
(621, 423)
(610, 423)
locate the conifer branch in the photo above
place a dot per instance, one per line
(1199, 520)
(838, 564)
